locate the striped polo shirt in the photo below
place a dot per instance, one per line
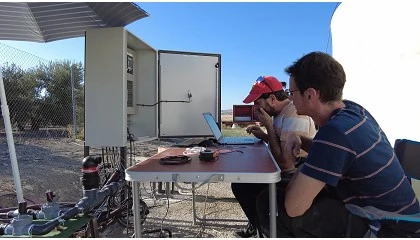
(353, 154)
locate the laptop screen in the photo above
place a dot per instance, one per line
(213, 125)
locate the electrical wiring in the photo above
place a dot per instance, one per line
(161, 231)
(203, 224)
(169, 101)
(210, 179)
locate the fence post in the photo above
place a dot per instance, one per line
(73, 99)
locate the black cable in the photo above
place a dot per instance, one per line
(160, 231)
(231, 151)
(168, 101)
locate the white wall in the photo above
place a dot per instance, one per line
(378, 44)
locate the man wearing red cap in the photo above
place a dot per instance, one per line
(278, 115)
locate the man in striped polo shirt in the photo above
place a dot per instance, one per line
(350, 155)
(278, 115)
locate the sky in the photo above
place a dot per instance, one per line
(253, 39)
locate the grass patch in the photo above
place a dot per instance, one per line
(234, 132)
(228, 131)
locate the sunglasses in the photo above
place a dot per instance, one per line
(290, 92)
(261, 79)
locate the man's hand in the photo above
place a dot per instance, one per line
(264, 118)
(257, 132)
(292, 146)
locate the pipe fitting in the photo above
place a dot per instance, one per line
(90, 176)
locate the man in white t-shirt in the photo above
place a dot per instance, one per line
(278, 115)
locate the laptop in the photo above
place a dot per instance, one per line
(226, 140)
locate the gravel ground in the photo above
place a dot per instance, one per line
(54, 164)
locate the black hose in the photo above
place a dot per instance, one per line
(37, 207)
(33, 213)
(70, 213)
(47, 227)
(5, 215)
(161, 232)
(6, 220)
(44, 228)
(50, 225)
(2, 227)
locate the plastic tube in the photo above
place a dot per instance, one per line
(10, 142)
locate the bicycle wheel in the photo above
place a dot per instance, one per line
(126, 219)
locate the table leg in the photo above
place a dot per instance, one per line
(136, 207)
(194, 214)
(273, 209)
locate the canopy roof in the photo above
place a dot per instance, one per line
(50, 21)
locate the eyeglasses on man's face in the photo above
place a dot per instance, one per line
(290, 92)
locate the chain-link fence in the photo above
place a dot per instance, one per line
(45, 98)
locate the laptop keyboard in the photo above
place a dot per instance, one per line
(237, 140)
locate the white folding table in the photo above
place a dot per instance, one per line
(244, 164)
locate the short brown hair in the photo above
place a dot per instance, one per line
(320, 71)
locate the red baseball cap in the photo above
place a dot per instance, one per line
(264, 84)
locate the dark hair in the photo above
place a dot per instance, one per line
(284, 84)
(280, 95)
(320, 71)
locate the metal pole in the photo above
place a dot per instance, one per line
(10, 143)
(123, 162)
(73, 99)
(136, 208)
(86, 151)
(273, 209)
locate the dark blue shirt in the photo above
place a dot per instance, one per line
(353, 154)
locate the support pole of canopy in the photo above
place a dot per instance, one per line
(10, 143)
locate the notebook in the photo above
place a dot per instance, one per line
(226, 140)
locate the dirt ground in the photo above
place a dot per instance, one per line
(227, 117)
(43, 165)
(51, 164)
(54, 164)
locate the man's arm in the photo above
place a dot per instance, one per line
(300, 193)
(258, 133)
(285, 162)
(302, 189)
(294, 143)
(306, 143)
(276, 148)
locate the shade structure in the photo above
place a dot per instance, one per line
(51, 21)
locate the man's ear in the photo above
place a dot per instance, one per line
(310, 94)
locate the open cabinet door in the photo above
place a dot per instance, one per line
(188, 85)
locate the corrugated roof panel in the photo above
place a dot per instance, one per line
(50, 21)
